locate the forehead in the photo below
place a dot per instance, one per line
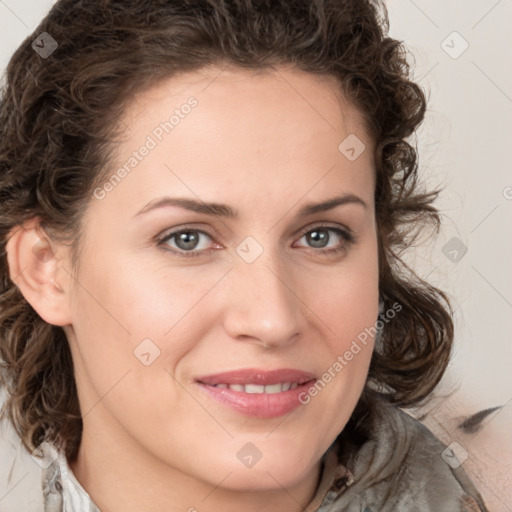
(232, 132)
(231, 93)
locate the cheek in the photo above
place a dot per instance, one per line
(346, 310)
(126, 315)
(345, 300)
(132, 327)
(347, 303)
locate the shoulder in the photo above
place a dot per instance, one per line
(444, 479)
(403, 466)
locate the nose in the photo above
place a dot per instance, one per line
(263, 307)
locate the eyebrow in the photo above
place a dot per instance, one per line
(224, 210)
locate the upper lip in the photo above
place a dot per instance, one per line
(257, 376)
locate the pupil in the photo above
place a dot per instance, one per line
(318, 238)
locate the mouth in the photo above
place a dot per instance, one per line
(256, 392)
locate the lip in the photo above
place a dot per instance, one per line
(260, 405)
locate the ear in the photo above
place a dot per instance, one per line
(36, 267)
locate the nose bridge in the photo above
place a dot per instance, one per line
(263, 306)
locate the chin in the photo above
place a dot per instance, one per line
(263, 478)
(267, 469)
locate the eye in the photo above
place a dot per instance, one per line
(321, 236)
(186, 242)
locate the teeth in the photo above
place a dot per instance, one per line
(254, 388)
(259, 388)
(274, 388)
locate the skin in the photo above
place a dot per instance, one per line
(265, 144)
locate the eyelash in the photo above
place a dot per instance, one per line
(347, 236)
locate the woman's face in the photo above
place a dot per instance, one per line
(185, 345)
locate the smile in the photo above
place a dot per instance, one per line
(256, 392)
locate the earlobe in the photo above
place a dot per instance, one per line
(35, 267)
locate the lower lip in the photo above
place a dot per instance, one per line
(259, 405)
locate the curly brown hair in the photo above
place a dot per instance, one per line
(58, 122)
